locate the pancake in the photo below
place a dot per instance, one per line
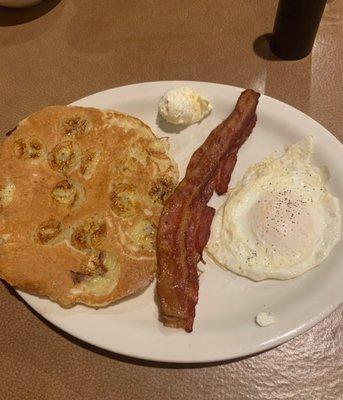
(81, 193)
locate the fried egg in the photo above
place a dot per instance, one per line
(280, 220)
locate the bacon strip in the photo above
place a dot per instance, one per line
(204, 228)
(226, 166)
(185, 222)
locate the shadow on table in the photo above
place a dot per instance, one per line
(295, 86)
(18, 16)
(261, 47)
(120, 357)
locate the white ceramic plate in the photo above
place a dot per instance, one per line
(224, 326)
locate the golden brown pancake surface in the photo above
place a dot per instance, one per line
(81, 192)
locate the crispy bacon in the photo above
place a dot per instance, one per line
(226, 166)
(184, 226)
(204, 228)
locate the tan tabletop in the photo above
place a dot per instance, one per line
(58, 52)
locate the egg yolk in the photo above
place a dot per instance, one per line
(284, 223)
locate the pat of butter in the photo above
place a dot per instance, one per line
(183, 106)
(264, 318)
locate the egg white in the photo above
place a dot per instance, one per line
(279, 221)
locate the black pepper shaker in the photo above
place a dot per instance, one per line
(295, 27)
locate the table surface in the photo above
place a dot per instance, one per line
(59, 51)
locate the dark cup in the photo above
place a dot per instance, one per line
(295, 27)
